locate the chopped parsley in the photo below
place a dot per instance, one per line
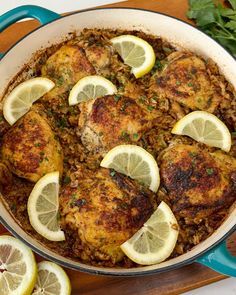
(125, 135)
(135, 135)
(117, 97)
(37, 144)
(209, 171)
(66, 179)
(112, 173)
(62, 123)
(150, 108)
(142, 99)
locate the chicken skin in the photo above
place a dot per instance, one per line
(185, 80)
(112, 120)
(67, 65)
(30, 150)
(104, 209)
(99, 56)
(198, 183)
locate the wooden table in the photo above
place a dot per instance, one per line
(173, 282)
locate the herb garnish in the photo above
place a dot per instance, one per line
(125, 135)
(117, 97)
(66, 179)
(215, 20)
(209, 171)
(112, 173)
(150, 108)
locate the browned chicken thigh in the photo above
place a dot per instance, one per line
(104, 209)
(198, 183)
(112, 120)
(185, 79)
(67, 65)
(30, 149)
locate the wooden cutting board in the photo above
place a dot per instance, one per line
(173, 282)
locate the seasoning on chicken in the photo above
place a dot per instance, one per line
(104, 209)
(99, 56)
(185, 79)
(67, 65)
(198, 183)
(30, 149)
(112, 120)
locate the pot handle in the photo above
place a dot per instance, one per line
(220, 260)
(43, 15)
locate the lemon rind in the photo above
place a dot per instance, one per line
(59, 272)
(7, 113)
(149, 53)
(52, 177)
(126, 148)
(154, 258)
(29, 279)
(95, 80)
(179, 126)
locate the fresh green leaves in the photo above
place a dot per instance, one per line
(215, 20)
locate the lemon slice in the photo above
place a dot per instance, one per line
(43, 206)
(135, 52)
(20, 100)
(135, 162)
(156, 240)
(18, 269)
(91, 87)
(51, 280)
(206, 128)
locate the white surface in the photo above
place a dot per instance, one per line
(58, 6)
(224, 287)
(228, 286)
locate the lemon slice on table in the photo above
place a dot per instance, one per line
(18, 269)
(206, 128)
(135, 162)
(136, 53)
(51, 280)
(156, 240)
(20, 100)
(43, 207)
(91, 87)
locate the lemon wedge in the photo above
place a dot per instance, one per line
(136, 53)
(135, 162)
(18, 269)
(20, 100)
(206, 128)
(43, 207)
(52, 279)
(91, 87)
(156, 240)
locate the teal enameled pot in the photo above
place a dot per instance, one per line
(213, 251)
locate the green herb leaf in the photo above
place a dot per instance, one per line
(150, 108)
(197, 6)
(231, 25)
(233, 3)
(112, 173)
(209, 171)
(117, 97)
(66, 180)
(215, 20)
